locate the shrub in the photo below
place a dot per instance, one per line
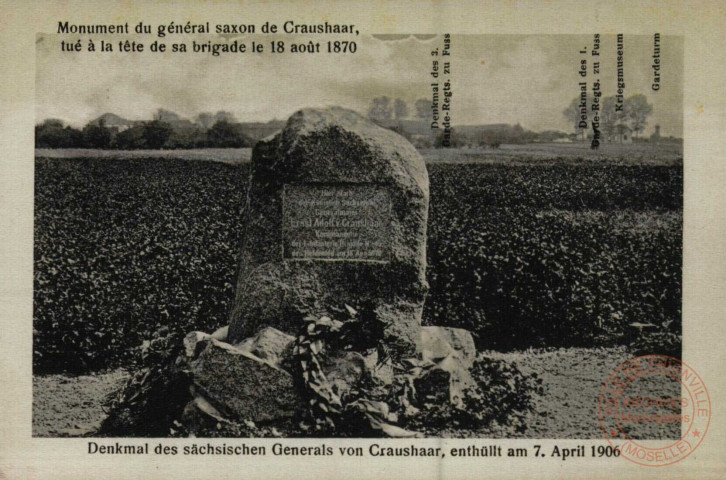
(52, 134)
(506, 394)
(96, 136)
(156, 133)
(224, 134)
(131, 138)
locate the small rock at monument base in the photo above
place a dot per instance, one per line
(461, 379)
(221, 333)
(439, 342)
(244, 386)
(269, 344)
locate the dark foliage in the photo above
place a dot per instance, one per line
(96, 136)
(187, 136)
(522, 256)
(664, 341)
(123, 248)
(505, 393)
(156, 133)
(224, 134)
(149, 404)
(554, 255)
(131, 139)
(52, 134)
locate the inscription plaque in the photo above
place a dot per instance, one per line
(336, 222)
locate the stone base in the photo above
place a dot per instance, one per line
(252, 381)
(243, 386)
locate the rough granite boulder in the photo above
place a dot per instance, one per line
(243, 386)
(438, 343)
(269, 344)
(336, 215)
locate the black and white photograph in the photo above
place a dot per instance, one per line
(421, 239)
(441, 235)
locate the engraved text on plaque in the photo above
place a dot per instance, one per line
(336, 222)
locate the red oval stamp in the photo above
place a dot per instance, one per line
(655, 410)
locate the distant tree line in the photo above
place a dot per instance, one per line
(167, 130)
(614, 118)
(494, 136)
(412, 121)
(617, 121)
(384, 108)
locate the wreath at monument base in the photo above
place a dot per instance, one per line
(335, 378)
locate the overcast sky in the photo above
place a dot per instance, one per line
(496, 79)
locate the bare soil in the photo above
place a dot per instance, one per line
(70, 406)
(573, 379)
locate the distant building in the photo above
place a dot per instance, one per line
(655, 138)
(114, 122)
(623, 134)
(258, 130)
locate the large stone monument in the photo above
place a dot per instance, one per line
(334, 240)
(335, 215)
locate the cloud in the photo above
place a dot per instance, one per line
(495, 78)
(395, 37)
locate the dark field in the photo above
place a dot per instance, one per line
(553, 256)
(547, 254)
